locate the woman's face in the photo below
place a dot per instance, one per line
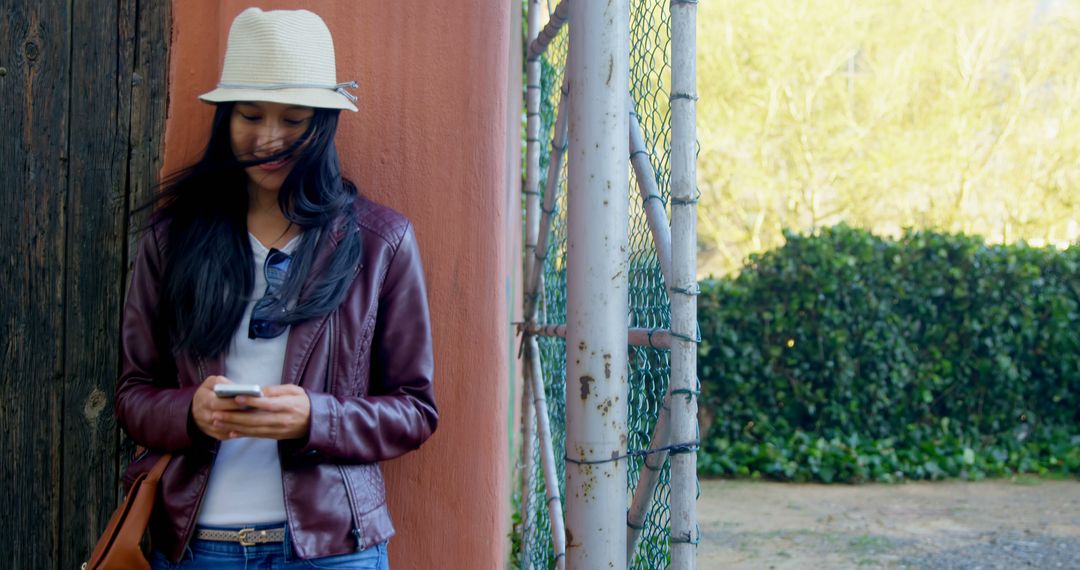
(261, 129)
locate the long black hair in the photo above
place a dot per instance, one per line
(208, 272)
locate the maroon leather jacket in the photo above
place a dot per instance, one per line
(367, 368)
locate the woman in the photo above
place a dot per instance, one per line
(263, 266)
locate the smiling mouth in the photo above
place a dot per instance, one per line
(271, 166)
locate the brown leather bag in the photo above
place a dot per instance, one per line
(118, 546)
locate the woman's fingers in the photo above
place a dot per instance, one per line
(205, 402)
(230, 420)
(264, 432)
(225, 404)
(264, 403)
(283, 412)
(287, 424)
(256, 419)
(283, 390)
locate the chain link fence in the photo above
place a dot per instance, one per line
(649, 308)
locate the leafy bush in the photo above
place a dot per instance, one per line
(843, 356)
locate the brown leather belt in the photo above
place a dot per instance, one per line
(244, 536)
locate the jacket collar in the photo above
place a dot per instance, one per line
(302, 335)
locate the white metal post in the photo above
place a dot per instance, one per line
(535, 373)
(532, 221)
(597, 265)
(533, 281)
(648, 479)
(547, 456)
(528, 467)
(532, 141)
(650, 197)
(684, 386)
(538, 43)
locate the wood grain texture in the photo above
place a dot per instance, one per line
(147, 26)
(148, 98)
(95, 248)
(82, 103)
(35, 46)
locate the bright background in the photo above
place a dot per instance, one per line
(961, 116)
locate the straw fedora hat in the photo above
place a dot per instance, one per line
(282, 56)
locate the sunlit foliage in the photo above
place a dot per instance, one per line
(959, 116)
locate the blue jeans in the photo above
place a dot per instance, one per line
(212, 554)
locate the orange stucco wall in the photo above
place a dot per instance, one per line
(431, 141)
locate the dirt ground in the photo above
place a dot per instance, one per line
(1020, 523)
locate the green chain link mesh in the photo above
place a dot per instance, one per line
(649, 368)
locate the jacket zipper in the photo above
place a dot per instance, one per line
(190, 529)
(360, 545)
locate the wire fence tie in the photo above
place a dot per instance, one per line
(684, 448)
(687, 201)
(652, 197)
(689, 537)
(686, 96)
(692, 291)
(673, 449)
(687, 338)
(690, 394)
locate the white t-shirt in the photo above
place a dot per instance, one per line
(245, 482)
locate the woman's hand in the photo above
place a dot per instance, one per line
(283, 412)
(205, 404)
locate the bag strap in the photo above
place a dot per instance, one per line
(118, 545)
(154, 475)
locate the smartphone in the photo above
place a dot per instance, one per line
(234, 390)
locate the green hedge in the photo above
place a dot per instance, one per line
(843, 356)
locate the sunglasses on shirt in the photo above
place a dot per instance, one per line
(262, 323)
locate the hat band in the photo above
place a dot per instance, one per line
(338, 87)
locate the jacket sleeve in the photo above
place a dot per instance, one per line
(149, 405)
(399, 412)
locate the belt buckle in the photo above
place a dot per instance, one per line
(243, 535)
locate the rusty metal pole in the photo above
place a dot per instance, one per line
(597, 266)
